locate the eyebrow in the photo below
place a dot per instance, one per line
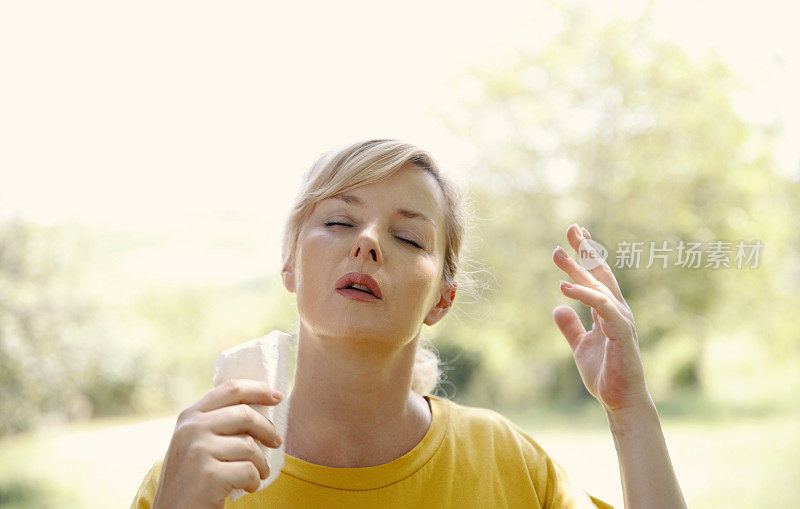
(411, 214)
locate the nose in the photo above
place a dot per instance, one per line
(367, 246)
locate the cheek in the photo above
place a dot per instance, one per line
(424, 280)
(313, 237)
(309, 249)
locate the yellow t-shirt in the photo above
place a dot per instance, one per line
(469, 457)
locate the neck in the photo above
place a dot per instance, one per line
(352, 404)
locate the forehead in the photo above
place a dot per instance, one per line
(410, 192)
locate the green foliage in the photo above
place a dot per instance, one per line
(42, 302)
(19, 494)
(631, 138)
(77, 341)
(459, 365)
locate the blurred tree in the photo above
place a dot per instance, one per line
(631, 138)
(37, 311)
(79, 340)
(66, 350)
(459, 366)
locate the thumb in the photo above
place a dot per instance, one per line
(570, 325)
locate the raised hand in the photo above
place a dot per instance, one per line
(607, 356)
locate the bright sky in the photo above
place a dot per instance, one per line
(141, 114)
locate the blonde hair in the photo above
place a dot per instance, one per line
(342, 169)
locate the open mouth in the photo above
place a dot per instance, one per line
(357, 294)
(360, 288)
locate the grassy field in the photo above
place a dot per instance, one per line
(722, 459)
(724, 455)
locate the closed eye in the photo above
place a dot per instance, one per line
(411, 242)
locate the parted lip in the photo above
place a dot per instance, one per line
(361, 279)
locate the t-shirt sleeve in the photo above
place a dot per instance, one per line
(147, 490)
(559, 492)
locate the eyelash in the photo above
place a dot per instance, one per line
(410, 242)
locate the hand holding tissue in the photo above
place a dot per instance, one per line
(263, 359)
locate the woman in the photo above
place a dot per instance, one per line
(371, 249)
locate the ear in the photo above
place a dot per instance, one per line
(287, 274)
(446, 297)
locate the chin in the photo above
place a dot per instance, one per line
(354, 330)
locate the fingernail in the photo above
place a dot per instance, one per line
(565, 284)
(560, 252)
(277, 395)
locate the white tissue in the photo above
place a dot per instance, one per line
(264, 359)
